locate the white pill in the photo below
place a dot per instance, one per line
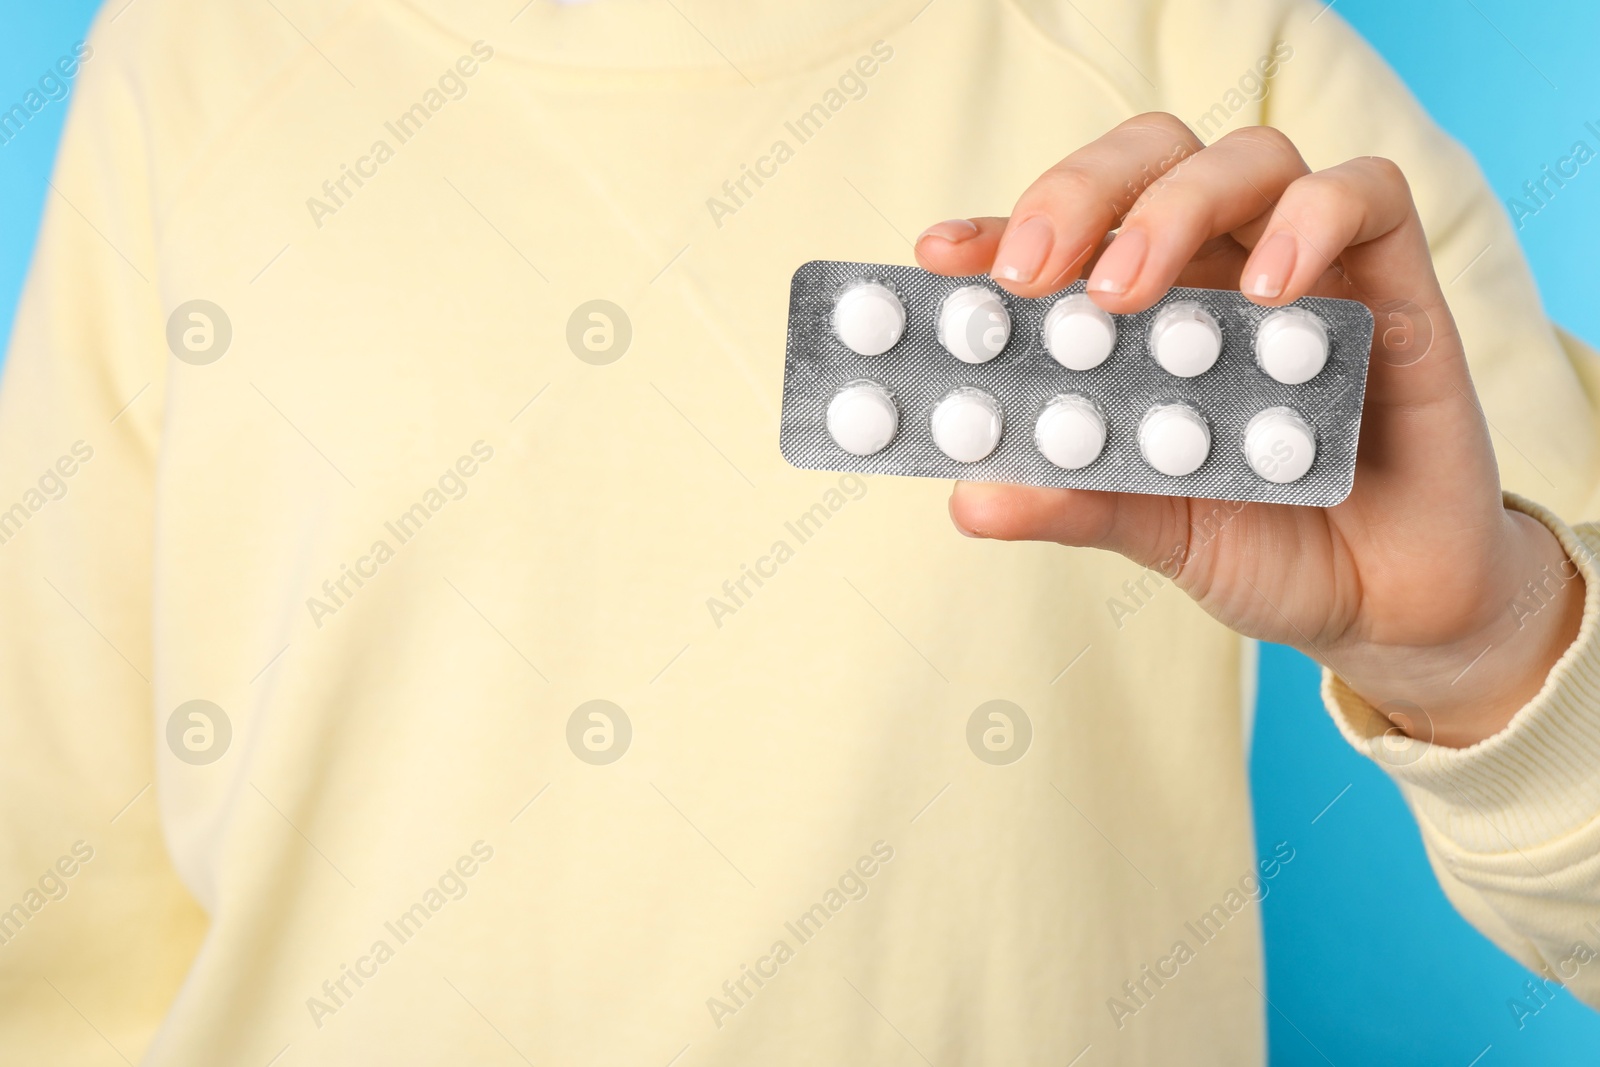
(1185, 339)
(862, 418)
(966, 424)
(974, 324)
(1280, 445)
(869, 318)
(1079, 333)
(1292, 345)
(1175, 439)
(1070, 432)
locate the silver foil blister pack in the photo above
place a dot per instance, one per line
(1205, 394)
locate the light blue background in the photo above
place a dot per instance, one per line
(1367, 963)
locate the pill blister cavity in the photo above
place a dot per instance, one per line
(1185, 340)
(862, 418)
(1071, 431)
(1292, 345)
(1078, 333)
(974, 324)
(1175, 439)
(869, 318)
(966, 424)
(1280, 445)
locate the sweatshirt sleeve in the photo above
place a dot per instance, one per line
(1512, 824)
(96, 932)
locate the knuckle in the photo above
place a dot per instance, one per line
(1267, 139)
(1326, 190)
(1163, 122)
(1387, 172)
(1067, 183)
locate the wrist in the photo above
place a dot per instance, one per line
(1458, 693)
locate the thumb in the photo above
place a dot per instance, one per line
(1152, 531)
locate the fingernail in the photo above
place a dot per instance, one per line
(1119, 267)
(950, 506)
(1024, 250)
(1270, 265)
(952, 230)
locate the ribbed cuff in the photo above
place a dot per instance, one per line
(1534, 781)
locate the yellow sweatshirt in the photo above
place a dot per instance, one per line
(408, 660)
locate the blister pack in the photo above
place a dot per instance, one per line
(893, 370)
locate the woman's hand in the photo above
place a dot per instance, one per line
(1405, 588)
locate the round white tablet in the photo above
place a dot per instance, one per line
(1279, 445)
(1292, 345)
(974, 324)
(1070, 431)
(1185, 339)
(869, 318)
(862, 418)
(1078, 332)
(966, 424)
(1175, 439)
